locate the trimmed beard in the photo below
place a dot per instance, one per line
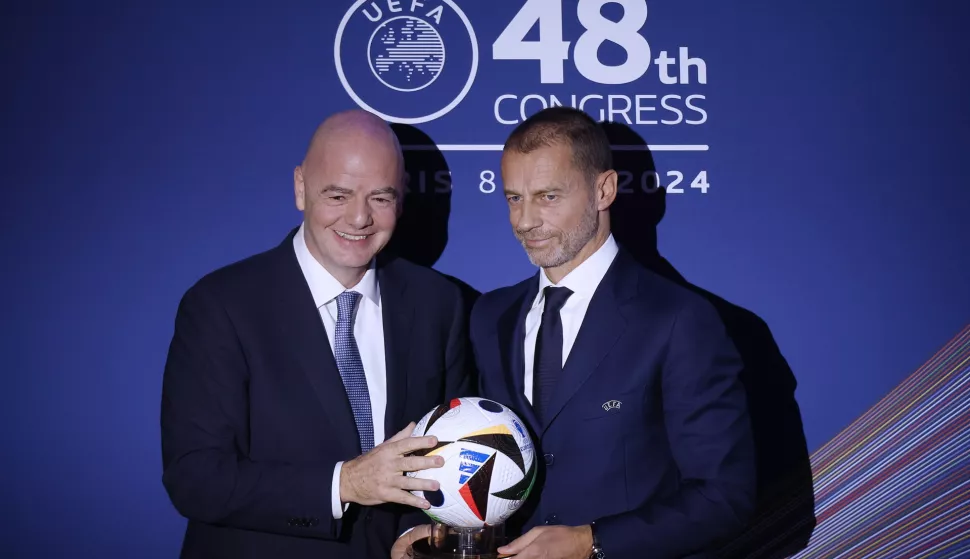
(570, 242)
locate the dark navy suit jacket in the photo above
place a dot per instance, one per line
(254, 413)
(667, 471)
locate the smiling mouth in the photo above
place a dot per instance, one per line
(350, 237)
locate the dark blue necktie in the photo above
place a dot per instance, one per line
(352, 368)
(548, 358)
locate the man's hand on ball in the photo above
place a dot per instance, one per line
(377, 476)
(552, 542)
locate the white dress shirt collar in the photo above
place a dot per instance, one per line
(585, 278)
(323, 285)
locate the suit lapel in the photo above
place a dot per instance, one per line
(602, 326)
(512, 339)
(511, 333)
(300, 321)
(398, 312)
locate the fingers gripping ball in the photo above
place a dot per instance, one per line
(490, 462)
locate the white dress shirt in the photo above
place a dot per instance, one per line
(582, 281)
(368, 333)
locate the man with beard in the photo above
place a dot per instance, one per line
(628, 382)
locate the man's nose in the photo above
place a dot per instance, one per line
(358, 213)
(526, 217)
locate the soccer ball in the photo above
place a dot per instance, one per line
(490, 463)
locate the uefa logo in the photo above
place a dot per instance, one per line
(407, 61)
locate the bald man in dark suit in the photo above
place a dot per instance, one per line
(292, 375)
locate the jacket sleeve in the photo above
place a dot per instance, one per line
(204, 427)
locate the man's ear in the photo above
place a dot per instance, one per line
(299, 188)
(606, 188)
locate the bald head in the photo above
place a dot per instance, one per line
(353, 134)
(350, 188)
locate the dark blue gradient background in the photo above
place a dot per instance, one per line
(145, 144)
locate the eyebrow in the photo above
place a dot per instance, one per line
(547, 190)
(387, 190)
(337, 189)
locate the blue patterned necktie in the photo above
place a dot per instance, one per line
(352, 368)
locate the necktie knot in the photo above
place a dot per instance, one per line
(346, 303)
(555, 298)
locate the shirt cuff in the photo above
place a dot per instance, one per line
(336, 507)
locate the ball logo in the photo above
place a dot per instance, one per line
(471, 461)
(408, 61)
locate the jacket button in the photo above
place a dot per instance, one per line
(549, 458)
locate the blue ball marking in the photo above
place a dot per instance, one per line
(435, 498)
(491, 406)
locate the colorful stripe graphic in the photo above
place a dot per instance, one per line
(896, 482)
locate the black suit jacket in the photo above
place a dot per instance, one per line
(254, 414)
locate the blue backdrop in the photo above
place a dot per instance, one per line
(819, 147)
